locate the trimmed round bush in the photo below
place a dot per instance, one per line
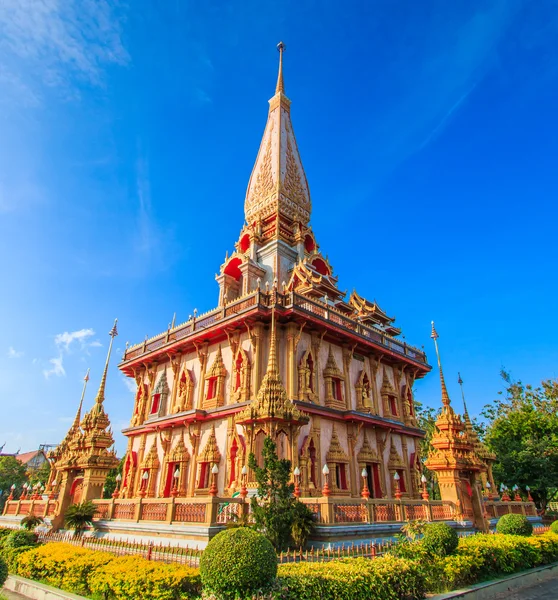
(514, 525)
(238, 562)
(554, 527)
(19, 538)
(3, 572)
(440, 539)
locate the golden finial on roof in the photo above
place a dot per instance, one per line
(445, 396)
(460, 382)
(280, 87)
(101, 393)
(78, 414)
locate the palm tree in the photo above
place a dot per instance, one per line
(80, 516)
(302, 524)
(30, 522)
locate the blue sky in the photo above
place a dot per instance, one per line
(429, 136)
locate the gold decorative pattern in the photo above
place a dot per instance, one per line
(210, 452)
(367, 454)
(336, 454)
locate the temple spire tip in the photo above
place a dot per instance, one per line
(280, 87)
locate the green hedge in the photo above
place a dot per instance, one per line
(103, 575)
(385, 578)
(514, 525)
(554, 527)
(238, 561)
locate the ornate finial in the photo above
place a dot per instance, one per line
(101, 393)
(445, 396)
(78, 414)
(173, 321)
(280, 87)
(460, 382)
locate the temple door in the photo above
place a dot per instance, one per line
(76, 490)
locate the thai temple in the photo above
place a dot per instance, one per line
(284, 353)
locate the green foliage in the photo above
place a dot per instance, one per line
(385, 578)
(554, 527)
(12, 472)
(302, 524)
(440, 539)
(19, 538)
(31, 521)
(11, 556)
(110, 481)
(3, 572)
(523, 432)
(40, 475)
(413, 530)
(238, 562)
(80, 516)
(514, 525)
(276, 511)
(102, 575)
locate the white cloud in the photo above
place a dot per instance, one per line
(96, 344)
(57, 368)
(12, 353)
(64, 340)
(60, 44)
(130, 384)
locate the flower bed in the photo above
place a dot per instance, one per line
(408, 572)
(101, 574)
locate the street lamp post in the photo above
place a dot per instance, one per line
(326, 490)
(213, 488)
(296, 474)
(365, 491)
(396, 479)
(425, 495)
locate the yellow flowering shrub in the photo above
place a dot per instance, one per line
(385, 578)
(62, 565)
(89, 572)
(130, 577)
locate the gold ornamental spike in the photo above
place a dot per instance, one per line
(280, 87)
(101, 393)
(445, 396)
(460, 382)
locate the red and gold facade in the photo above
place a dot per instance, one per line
(333, 386)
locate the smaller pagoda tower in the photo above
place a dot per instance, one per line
(454, 460)
(80, 464)
(486, 457)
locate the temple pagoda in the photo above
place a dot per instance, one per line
(284, 354)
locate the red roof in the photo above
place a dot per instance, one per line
(28, 456)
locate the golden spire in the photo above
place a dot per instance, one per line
(278, 184)
(280, 87)
(460, 382)
(101, 393)
(78, 414)
(445, 396)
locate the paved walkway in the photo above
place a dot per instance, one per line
(12, 595)
(548, 590)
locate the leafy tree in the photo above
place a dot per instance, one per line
(80, 516)
(31, 521)
(275, 508)
(40, 475)
(522, 430)
(11, 472)
(110, 482)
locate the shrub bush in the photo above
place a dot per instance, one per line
(3, 572)
(130, 578)
(554, 527)
(62, 565)
(11, 556)
(440, 539)
(514, 525)
(89, 572)
(384, 578)
(238, 562)
(19, 538)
